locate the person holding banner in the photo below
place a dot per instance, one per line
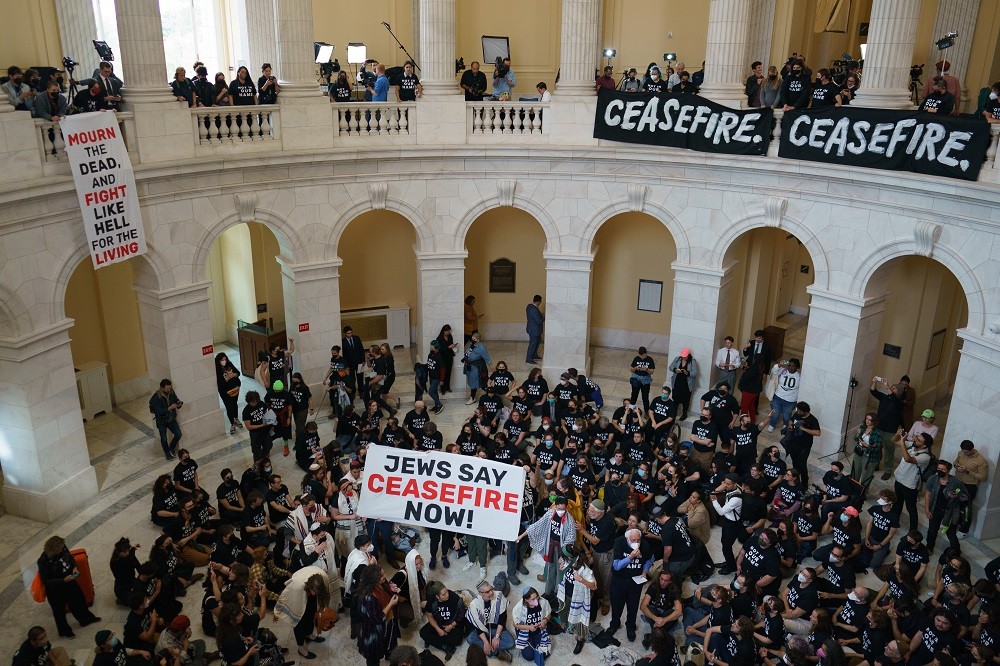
(548, 535)
(488, 616)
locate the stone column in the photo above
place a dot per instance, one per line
(436, 35)
(77, 30)
(143, 64)
(46, 464)
(761, 31)
(839, 345)
(726, 52)
(891, 31)
(975, 415)
(441, 278)
(959, 16)
(176, 326)
(306, 119)
(19, 138)
(261, 36)
(312, 299)
(701, 293)
(566, 340)
(579, 51)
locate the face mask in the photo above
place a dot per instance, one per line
(641, 473)
(993, 95)
(267, 469)
(369, 548)
(551, 400)
(577, 428)
(115, 642)
(772, 77)
(762, 542)
(802, 578)
(855, 598)
(633, 544)
(228, 479)
(546, 426)
(834, 559)
(942, 474)
(883, 502)
(533, 603)
(654, 76)
(663, 395)
(736, 585)
(844, 518)
(581, 467)
(706, 419)
(560, 512)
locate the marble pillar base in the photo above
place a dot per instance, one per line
(442, 120)
(571, 120)
(46, 507)
(163, 129)
(725, 94)
(18, 136)
(884, 99)
(306, 120)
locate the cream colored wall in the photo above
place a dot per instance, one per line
(533, 27)
(267, 273)
(630, 247)
(925, 297)
(217, 293)
(516, 235)
(379, 265)
(100, 302)
(338, 22)
(639, 29)
(984, 59)
(800, 297)
(236, 260)
(31, 34)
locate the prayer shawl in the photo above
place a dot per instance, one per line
(484, 617)
(538, 533)
(325, 560)
(521, 616)
(413, 582)
(292, 602)
(298, 521)
(347, 506)
(579, 604)
(354, 560)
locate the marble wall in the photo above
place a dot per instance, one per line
(850, 223)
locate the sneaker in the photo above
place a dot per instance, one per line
(962, 535)
(470, 401)
(445, 563)
(885, 477)
(239, 424)
(232, 429)
(168, 455)
(579, 647)
(504, 655)
(631, 634)
(541, 578)
(449, 653)
(438, 410)
(514, 580)
(468, 565)
(434, 563)
(523, 570)
(727, 570)
(482, 573)
(770, 428)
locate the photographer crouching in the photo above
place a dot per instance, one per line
(504, 79)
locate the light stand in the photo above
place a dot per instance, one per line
(357, 54)
(402, 48)
(609, 54)
(852, 384)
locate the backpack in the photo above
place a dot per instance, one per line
(929, 472)
(501, 584)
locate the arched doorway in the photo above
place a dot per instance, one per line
(504, 269)
(632, 295)
(924, 307)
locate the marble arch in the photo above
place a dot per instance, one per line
(288, 238)
(553, 241)
(883, 255)
(654, 210)
(425, 240)
(15, 321)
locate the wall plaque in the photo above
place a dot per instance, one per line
(892, 351)
(503, 272)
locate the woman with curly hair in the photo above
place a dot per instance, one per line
(378, 631)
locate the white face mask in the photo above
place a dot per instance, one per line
(803, 578)
(560, 512)
(883, 502)
(633, 545)
(993, 95)
(853, 597)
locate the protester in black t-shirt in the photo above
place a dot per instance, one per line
(826, 92)
(744, 439)
(242, 91)
(409, 88)
(267, 86)
(795, 88)
(253, 420)
(940, 101)
(798, 438)
(759, 560)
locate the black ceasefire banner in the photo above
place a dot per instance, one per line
(884, 139)
(681, 121)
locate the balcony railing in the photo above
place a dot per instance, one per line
(503, 119)
(382, 121)
(53, 146)
(235, 127)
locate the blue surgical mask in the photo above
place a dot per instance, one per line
(115, 642)
(844, 518)
(641, 472)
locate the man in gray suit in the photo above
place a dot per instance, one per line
(536, 320)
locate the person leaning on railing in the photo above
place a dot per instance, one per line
(203, 88)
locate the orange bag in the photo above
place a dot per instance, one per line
(85, 581)
(38, 589)
(325, 619)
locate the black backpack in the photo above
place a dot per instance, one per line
(930, 471)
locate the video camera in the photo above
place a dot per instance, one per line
(500, 70)
(69, 64)
(916, 71)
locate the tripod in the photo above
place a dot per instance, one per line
(853, 384)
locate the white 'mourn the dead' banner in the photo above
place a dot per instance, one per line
(105, 186)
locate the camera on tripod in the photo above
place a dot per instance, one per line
(916, 71)
(69, 64)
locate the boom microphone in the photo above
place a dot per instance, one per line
(387, 26)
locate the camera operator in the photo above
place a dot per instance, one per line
(631, 83)
(379, 88)
(504, 79)
(798, 438)
(366, 77)
(267, 86)
(473, 83)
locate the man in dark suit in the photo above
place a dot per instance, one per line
(111, 85)
(353, 351)
(536, 320)
(757, 351)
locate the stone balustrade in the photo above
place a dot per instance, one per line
(393, 122)
(236, 128)
(503, 119)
